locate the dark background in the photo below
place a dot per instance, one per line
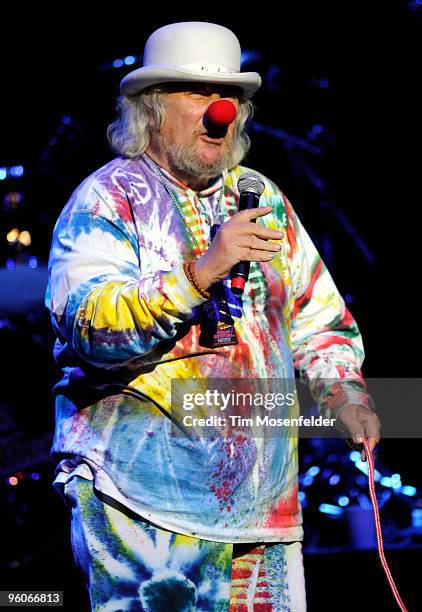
(58, 65)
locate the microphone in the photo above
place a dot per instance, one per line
(251, 187)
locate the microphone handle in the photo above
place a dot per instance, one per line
(240, 272)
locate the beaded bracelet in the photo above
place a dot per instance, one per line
(189, 270)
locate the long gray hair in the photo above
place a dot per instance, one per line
(141, 115)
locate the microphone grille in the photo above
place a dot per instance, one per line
(251, 182)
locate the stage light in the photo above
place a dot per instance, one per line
(363, 467)
(15, 197)
(302, 499)
(307, 481)
(13, 481)
(364, 502)
(323, 83)
(25, 238)
(316, 129)
(33, 262)
(408, 490)
(249, 55)
(335, 479)
(313, 471)
(417, 518)
(16, 171)
(118, 63)
(12, 199)
(13, 235)
(330, 509)
(35, 476)
(10, 264)
(129, 59)
(343, 500)
(396, 481)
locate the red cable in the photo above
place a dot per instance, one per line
(378, 526)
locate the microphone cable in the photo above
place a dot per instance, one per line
(373, 497)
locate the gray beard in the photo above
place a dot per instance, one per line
(185, 160)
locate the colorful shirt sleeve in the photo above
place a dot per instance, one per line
(326, 342)
(101, 303)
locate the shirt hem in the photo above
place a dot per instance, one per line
(105, 485)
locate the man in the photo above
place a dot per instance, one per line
(163, 521)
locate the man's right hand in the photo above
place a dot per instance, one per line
(237, 240)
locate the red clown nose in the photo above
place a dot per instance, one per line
(221, 113)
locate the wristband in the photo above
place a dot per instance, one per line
(189, 270)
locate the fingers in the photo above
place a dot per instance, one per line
(239, 240)
(371, 431)
(250, 242)
(258, 256)
(258, 237)
(254, 213)
(372, 442)
(361, 423)
(256, 244)
(246, 216)
(265, 233)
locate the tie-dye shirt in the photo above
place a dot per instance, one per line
(122, 309)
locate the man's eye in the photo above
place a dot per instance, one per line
(207, 92)
(199, 93)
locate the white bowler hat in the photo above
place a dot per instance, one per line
(193, 51)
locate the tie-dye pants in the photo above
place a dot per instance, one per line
(130, 564)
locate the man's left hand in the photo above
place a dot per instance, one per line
(360, 422)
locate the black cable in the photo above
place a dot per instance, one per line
(140, 395)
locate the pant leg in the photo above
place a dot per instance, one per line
(270, 578)
(129, 564)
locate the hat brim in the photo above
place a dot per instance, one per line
(137, 80)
